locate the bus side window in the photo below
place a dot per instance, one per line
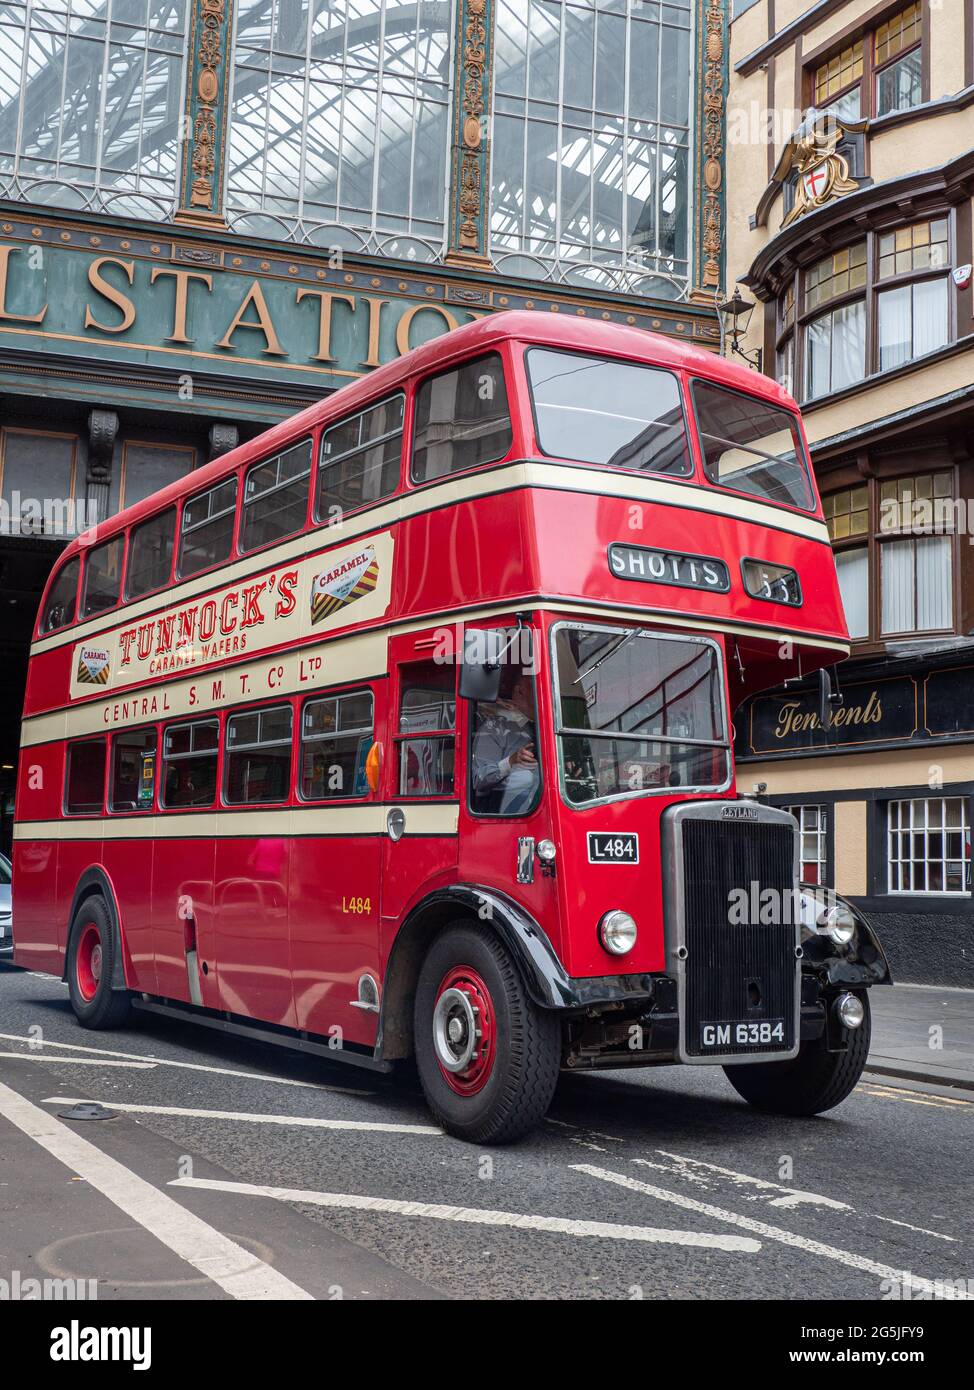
(427, 707)
(189, 764)
(336, 735)
(206, 530)
(258, 755)
(150, 555)
(63, 598)
(276, 497)
(461, 419)
(84, 784)
(133, 771)
(103, 577)
(359, 460)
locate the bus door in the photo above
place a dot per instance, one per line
(503, 816)
(420, 772)
(335, 863)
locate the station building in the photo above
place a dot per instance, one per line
(850, 155)
(213, 212)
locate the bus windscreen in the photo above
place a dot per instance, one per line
(601, 410)
(751, 446)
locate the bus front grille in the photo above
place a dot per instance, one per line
(740, 972)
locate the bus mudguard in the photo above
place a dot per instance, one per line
(545, 978)
(95, 882)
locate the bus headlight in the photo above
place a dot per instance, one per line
(838, 923)
(617, 932)
(546, 851)
(851, 1011)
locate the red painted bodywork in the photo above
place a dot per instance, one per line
(268, 908)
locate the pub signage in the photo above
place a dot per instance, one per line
(871, 712)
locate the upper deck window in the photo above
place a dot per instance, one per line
(751, 446)
(360, 459)
(462, 419)
(276, 497)
(206, 533)
(103, 577)
(150, 555)
(600, 410)
(62, 599)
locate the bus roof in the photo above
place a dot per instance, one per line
(542, 328)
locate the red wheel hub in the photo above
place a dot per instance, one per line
(464, 1030)
(89, 958)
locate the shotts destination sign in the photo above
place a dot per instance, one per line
(668, 567)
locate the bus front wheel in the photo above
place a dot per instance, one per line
(814, 1081)
(488, 1057)
(91, 964)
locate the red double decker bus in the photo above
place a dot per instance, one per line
(405, 730)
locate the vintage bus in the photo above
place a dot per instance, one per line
(405, 730)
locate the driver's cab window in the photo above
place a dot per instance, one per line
(426, 734)
(505, 774)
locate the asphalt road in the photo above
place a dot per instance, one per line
(237, 1170)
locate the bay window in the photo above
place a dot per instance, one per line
(876, 305)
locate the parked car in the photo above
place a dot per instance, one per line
(6, 908)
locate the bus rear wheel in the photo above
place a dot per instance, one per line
(814, 1081)
(487, 1056)
(91, 965)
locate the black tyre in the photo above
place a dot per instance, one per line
(91, 964)
(487, 1056)
(814, 1081)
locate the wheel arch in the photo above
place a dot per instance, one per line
(95, 883)
(545, 978)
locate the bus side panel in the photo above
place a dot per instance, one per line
(483, 549)
(252, 878)
(334, 925)
(182, 891)
(48, 679)
(74, 858)
(37, 942)
(128, 864)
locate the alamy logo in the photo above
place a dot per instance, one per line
(77, 1343)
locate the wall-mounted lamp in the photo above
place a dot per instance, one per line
(735, 316)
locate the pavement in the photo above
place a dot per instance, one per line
(923, 1033)
(228, 1169)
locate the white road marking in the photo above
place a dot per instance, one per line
(922, 1230)
(249, 1117)
(792, 1198)
(77, 1061)
(476, 1216)
(787, 1197)
(235, 1270)
(761, 1228)
(187, 1066)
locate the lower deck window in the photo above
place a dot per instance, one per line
(259, 755)
(336, 735)
(133, 771)
(427, 707)
(84, 791)
(929, 845)
(189, 756)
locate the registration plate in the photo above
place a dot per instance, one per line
(722, 1035)
(612, 849)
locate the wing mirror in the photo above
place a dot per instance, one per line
(480, 670)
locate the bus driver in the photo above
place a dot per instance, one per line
(505, 768)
